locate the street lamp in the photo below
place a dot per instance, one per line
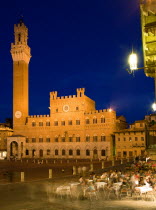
(133, 60)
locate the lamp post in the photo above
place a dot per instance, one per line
(133, 61)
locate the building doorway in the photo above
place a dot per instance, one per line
(14, 149)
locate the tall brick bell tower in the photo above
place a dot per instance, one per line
(20, 52)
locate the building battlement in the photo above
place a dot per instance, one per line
(80, 93)
(37, 116)
(99, 111)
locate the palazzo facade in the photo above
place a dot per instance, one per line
(73, 128)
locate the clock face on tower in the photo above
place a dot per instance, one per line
(65, 108)
(18, 114)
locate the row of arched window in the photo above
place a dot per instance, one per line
(88, 138)
(63, 152)
(69, 122)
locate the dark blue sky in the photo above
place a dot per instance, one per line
(78, 43)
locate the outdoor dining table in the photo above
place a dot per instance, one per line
(144, 189)
(100, 185)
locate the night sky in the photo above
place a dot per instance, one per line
(74, 44)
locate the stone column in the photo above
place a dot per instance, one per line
(50, 173)
(19, 150)
(22, 176)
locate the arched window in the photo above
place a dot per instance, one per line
(41, 153)
(103, 137)
(95, 138)
(102, 119)
(103, 152)
(70, 152)
(40, 123)
(27, 152)
(70, 138)
(56, 152)
(63, 138)
(48, 151)
(63, 152)
(87, 121)
(87, 152)
(56, 139)
(40, 139)
(87, 138)
(78, 152)
(48, 123)
(94, 120)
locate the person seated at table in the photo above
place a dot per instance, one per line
(91, 187)
(81, 180)
(141, 181)
(104, 175)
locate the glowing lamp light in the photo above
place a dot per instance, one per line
(154, 106)
(132, 60)
(110, 110)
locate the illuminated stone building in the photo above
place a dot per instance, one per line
(131, 142)
(73, 128)
(5, 132)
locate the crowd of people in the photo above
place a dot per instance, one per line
(136, 178)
